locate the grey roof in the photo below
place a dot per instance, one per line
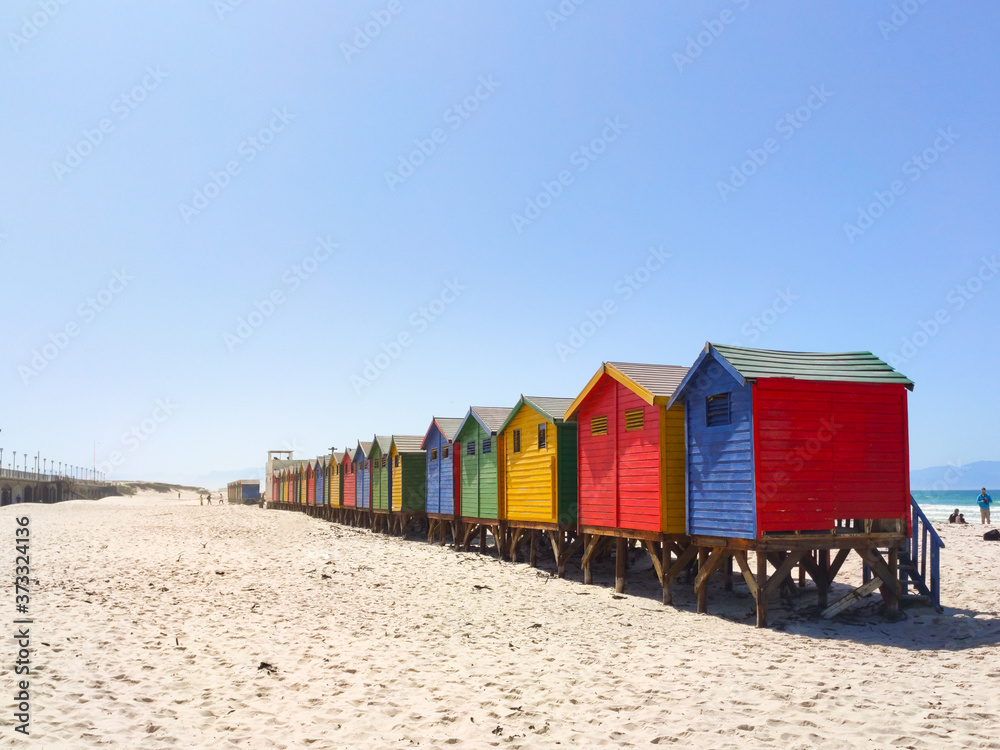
(862, 367)
(491, 417)
(338, 456)
(366, 447)
(349, 452)
(408, 443)
(449, 425)
(384, 441)
(553, 408)
(660, 380)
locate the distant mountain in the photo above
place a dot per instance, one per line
(217, 479)
(968, 477)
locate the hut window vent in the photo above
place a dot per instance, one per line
(487, 445)
(634, 419)
(541, 436)
(383, 462)
(598, 426)
(396, 461)
(717, 410)
(444, 452)
(434, 454)
(516, 440)
(470, 448)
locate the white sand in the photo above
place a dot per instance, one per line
(152, 616)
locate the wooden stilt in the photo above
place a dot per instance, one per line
(590, 545)
(727, 574)
(664, 567)
(707, 564)
(620, 555)
(680, 564)
(761, 591)
(892, 602)
(823, 588)
(515, 539)
(482, 541)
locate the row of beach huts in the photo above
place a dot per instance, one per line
(798, 458)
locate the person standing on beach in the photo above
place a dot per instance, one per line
(984, 501)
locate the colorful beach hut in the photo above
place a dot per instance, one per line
(630, 460)
(362, 475)
(538, 490)
(409, 480)
(789, 452)
(335, 488)
(381, 488)
(478, 487)
(442, 465)
(348, 488)
(302, 482)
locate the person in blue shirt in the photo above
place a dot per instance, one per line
(984, 501)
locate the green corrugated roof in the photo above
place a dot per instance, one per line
(861, 367)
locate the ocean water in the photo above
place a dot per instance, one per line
(937, 505)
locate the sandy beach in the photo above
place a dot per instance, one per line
(159, 623)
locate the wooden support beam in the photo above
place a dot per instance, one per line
(654, 556)
(838, 561)
(706, 566)
(783, 570)
(741, 560)
(859, 593)
(568, 551)
(685, 557)
(620, 554)
(777, 559)
(515, 539)
(482, 541)
(727, 574)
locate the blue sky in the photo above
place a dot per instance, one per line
(216, 218)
